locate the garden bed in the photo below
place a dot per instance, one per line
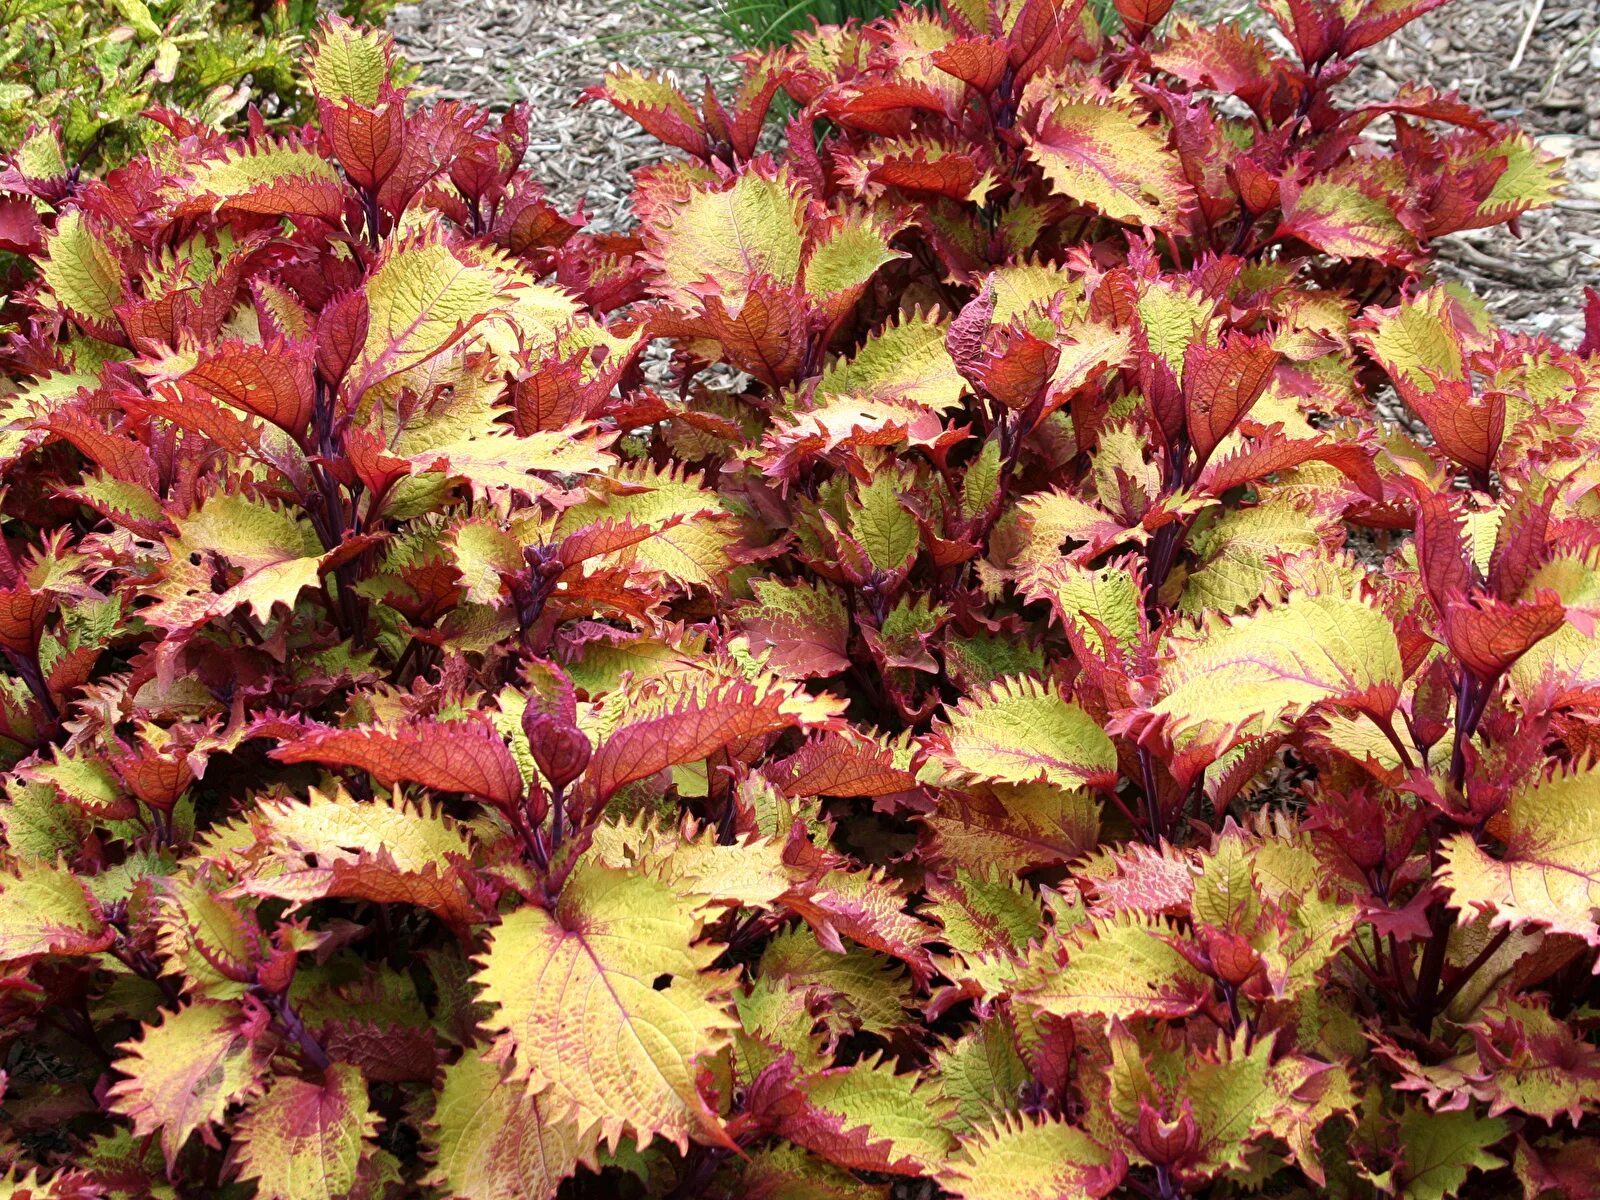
(545, 52)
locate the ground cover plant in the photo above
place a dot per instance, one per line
(1081, 682)
(94, 67)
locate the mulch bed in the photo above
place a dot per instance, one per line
(496, 52)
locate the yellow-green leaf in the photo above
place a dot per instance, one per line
(576, 1004)
(1023, 731)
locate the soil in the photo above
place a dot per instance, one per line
(1533, 61)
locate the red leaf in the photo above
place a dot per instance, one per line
(834, 765)
(1591, 323)
(20, 230)
(465, 756)
(1141, 16)
(271, 380)
(1272, 452)
(978, 61)
(1220, 383)
(1465, 427)
(528, 222)
(1488, 635)
(368, 142)
(689, 730)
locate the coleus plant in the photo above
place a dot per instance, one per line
(1081, 683)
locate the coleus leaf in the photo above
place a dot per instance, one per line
(271, 177)
(270, 380)
(869, 1117)
(1102, 152)
(577, 1008)
(466, 756)
(748, 873)
(1278, 662)
(1442, 1149)
(691, 726)
(832, 764)
(184, 1073)
(422, 297)
(44, 909)
(659, 108)
(1221, 1101)
(307, 1140)
(1220, 383)
(1033, 1158)
(1467, 427)
(717, 241)
(1548, 874)
(83, 273)
(865, 907)
(493, 1141)
(349, 63)
(803, 627)
(1024, 731)
(275, 554)
(1345, 219)
(1120, 967)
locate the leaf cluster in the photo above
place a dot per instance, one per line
(1014, 640)
(92, 68)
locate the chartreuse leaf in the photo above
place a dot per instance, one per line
(1175, 315)
(1032, 1158)
(333, 823)
(349, 63)
(1568, 661)
(1416, 337)
(1104, 153)
(905, 362)
(1538, 1064)
(848, 251)
(1234, 552)
(1530, 179)
(869, 1117)
(306, 1140)
(1119, 967)
(1227, 682)
(722, 237)
(270, 176)
(985, 912)
(1023, 731)
(1343, 218)
(273, 553)
(867, 989)
(44, 909)
(577, 1006)
(883, 526)
(183, 1073)
(1088, 600)
(1548, 873)
(745, 874)
(82, 271)
(1438, 1150)
(423, 297)
(492, 1141)
(984, 1073)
